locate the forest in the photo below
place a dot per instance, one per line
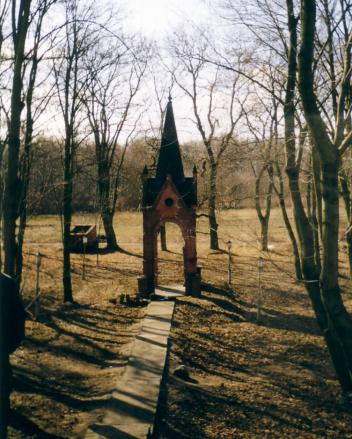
(262, 99)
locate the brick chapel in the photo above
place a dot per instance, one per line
(169, 196)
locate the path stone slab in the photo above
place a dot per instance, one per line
(132, 407)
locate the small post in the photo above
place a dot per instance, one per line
(85, 242)
(38, 261)
(229, 273)
(98, 242)
(259, 301)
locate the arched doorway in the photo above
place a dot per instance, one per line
(170, 268)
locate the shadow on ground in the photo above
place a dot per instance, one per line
(75, 348)
(273, 376)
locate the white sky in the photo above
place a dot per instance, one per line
(155, 18)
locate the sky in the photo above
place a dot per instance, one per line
(156, 18)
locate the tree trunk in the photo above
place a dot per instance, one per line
(316, 173)
(26, 159)
(2, 148)
(293, 240)
(163, 242)
(263, 219)
(25, 174)
(20, 241)
(346, 196)
(311, 276)
(304, 228)
(312, 198)
(11, 181)
(336, 351)
(67, 218)
(107, 213)
(264, 234)
(316, 229)
(349, 246)
(111, 242)
(265, 237)
(329, 274)
(25, 179)
(329, 158)
(213, 225)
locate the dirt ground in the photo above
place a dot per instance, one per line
(265, 379)
(250, 379)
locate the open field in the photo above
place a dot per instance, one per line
(272, 379)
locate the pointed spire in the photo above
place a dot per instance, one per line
(170, 161)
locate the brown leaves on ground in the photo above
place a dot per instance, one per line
(267, 380)
(66, 369)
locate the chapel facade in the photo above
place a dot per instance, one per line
(169, 196)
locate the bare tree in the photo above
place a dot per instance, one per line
(213, 89)
(35, 106)
(4, 117)
(20, 25)
(322, 287)
(70, 79)
(330, 150)
(262, 123)
(114, 78)
(333, 75)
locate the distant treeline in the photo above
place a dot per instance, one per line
(235, 179)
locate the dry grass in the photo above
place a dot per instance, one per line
(268, 380)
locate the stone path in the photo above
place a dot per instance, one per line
(132, 408)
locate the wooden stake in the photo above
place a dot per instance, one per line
(38, 261)
(260, 293)
(85, 241)
(229, 273)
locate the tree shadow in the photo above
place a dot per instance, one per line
(217, 290)
(129, 253)
(29, 428)
(212, 358)
(272, 318)
(212, 353)
(110, 432)
(171, 424)
(171, 252)
(222, 251)
(76, 395)
(81, 335)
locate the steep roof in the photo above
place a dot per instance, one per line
(170, 161)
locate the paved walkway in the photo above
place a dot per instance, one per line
(133, 404)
